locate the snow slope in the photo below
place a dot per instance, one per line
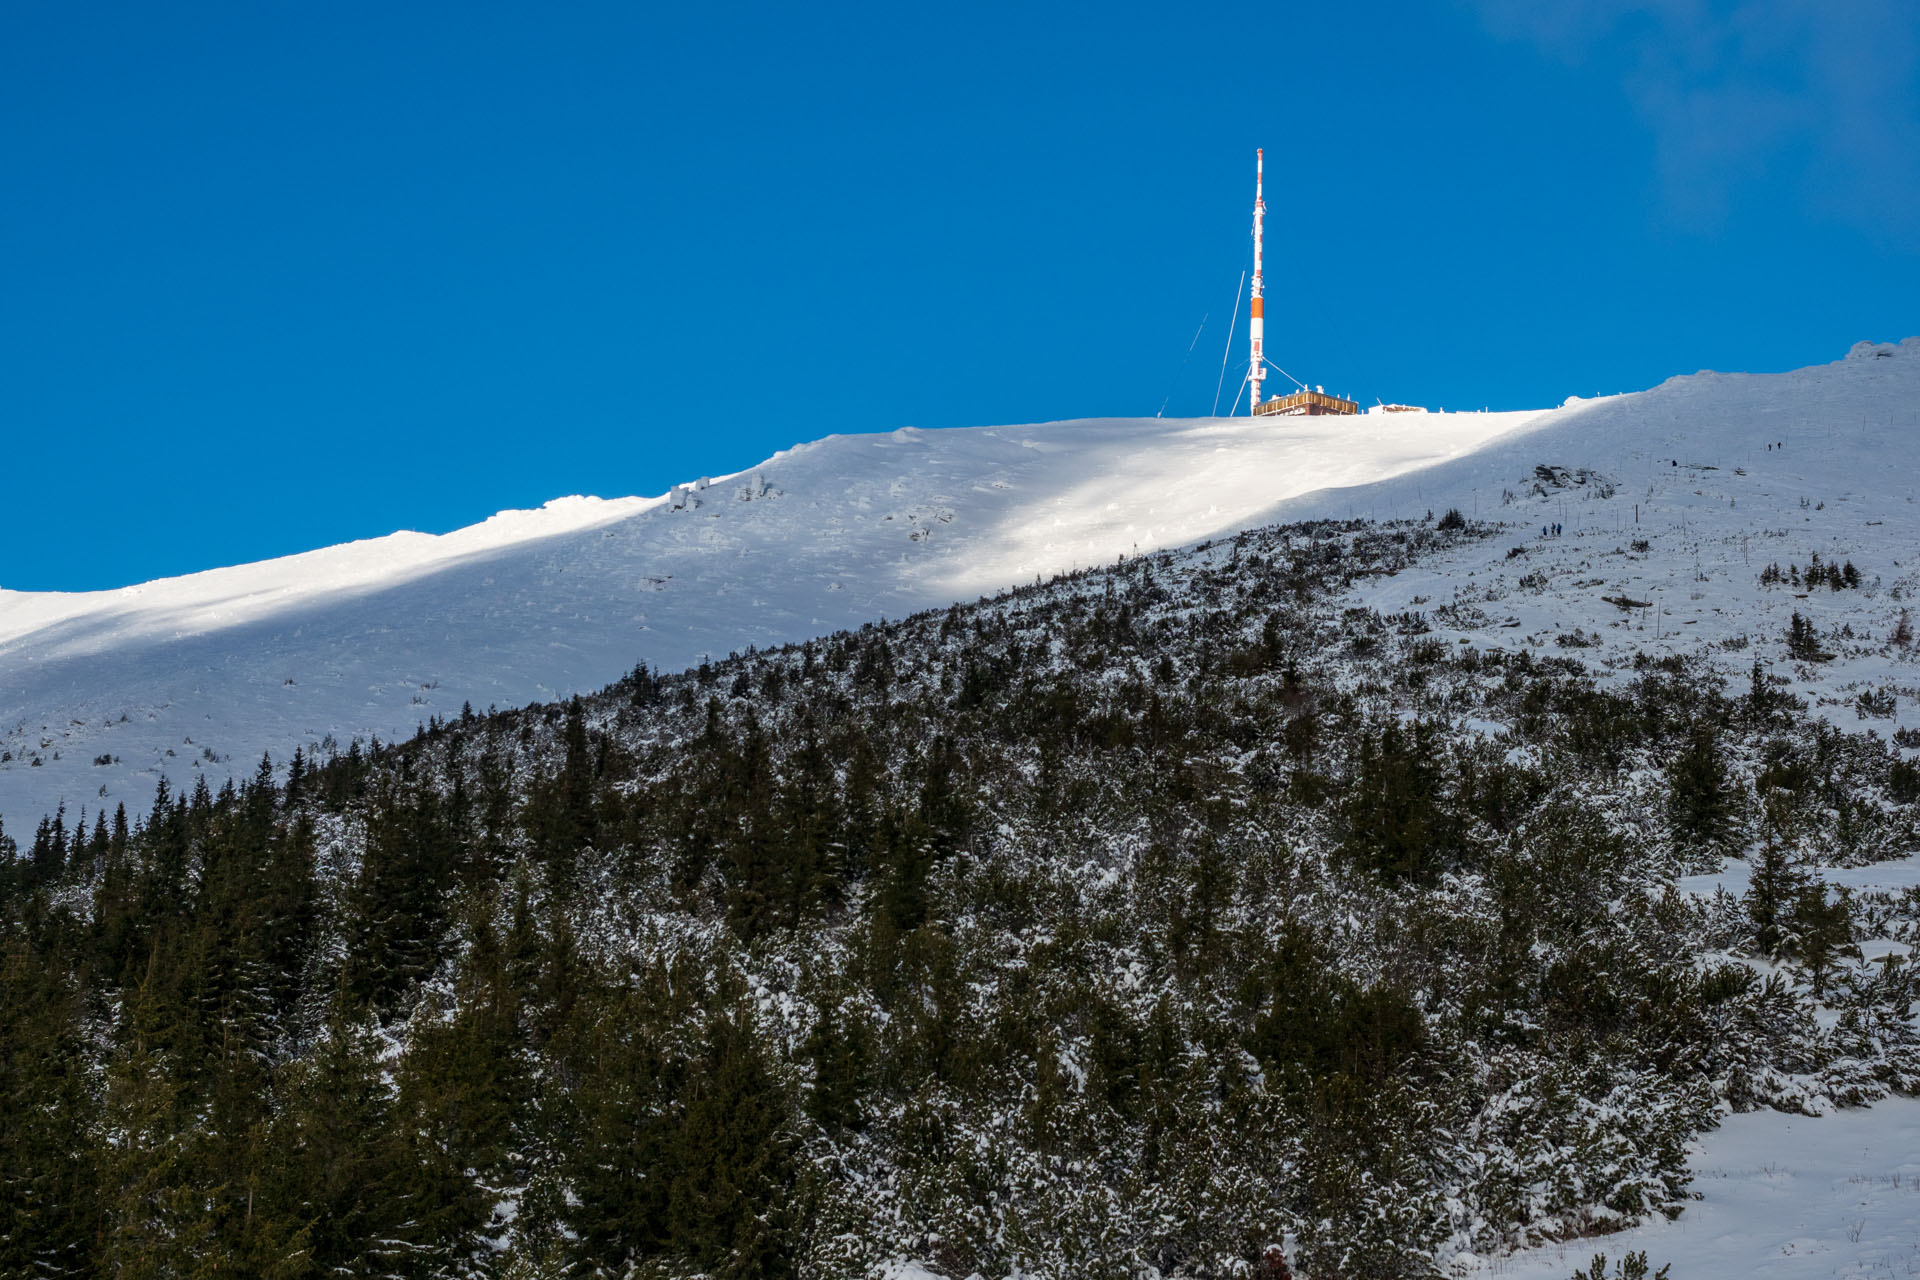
(1781, 1198)
(1671, 501)
(199, 675)
(1689, 507)
(1663, 549)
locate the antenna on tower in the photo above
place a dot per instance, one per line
(1256, 323)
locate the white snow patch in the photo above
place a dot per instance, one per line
(1670, 497)
(1782, 1197)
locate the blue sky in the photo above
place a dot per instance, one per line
(278, 276)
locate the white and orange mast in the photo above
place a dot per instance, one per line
(1256, 323)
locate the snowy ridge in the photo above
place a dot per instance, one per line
(200, 675)
(1673, 503)
(219, 598)
(1687, 518)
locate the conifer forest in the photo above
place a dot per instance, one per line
(1162, 919)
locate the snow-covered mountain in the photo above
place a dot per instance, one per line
(1673, 503)
(1762, 525)
(201, 674)
(104, 693)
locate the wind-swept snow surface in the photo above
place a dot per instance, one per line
(1781, 1198)
(1670, 501)
(199, 675)
(1664, 512)
(1686, 519)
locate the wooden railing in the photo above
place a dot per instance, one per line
(1301, 402)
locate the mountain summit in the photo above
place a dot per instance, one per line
(102, 694)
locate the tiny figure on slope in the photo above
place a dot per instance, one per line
(1273, 1264)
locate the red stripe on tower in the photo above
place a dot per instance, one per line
(1256, 322)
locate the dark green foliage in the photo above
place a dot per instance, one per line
(1903, 782)
(1701, 804)
(839, 1051)
(50, 1212)
(1774, 885)
(462, 1098)
(1398, 822)
(1141, 919)
(1761, 698)
(1803, 641)
(678, 1145)
(728, 1166)
(396, 909)
(1632, 1267)
(1322, 1030)
(1822, 929)
(622, 1122)
(343, 1188)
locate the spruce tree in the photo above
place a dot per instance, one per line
(462, 1090)
(1771, 891)
(1396, 822)
(50, 1137)
(396, 909)
(155, 1220)
(342, 1195)
(1822, 930)
(1701, 807)
(1803, 641)
(731, 1161)
(1761, 698)
(621, 1115)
